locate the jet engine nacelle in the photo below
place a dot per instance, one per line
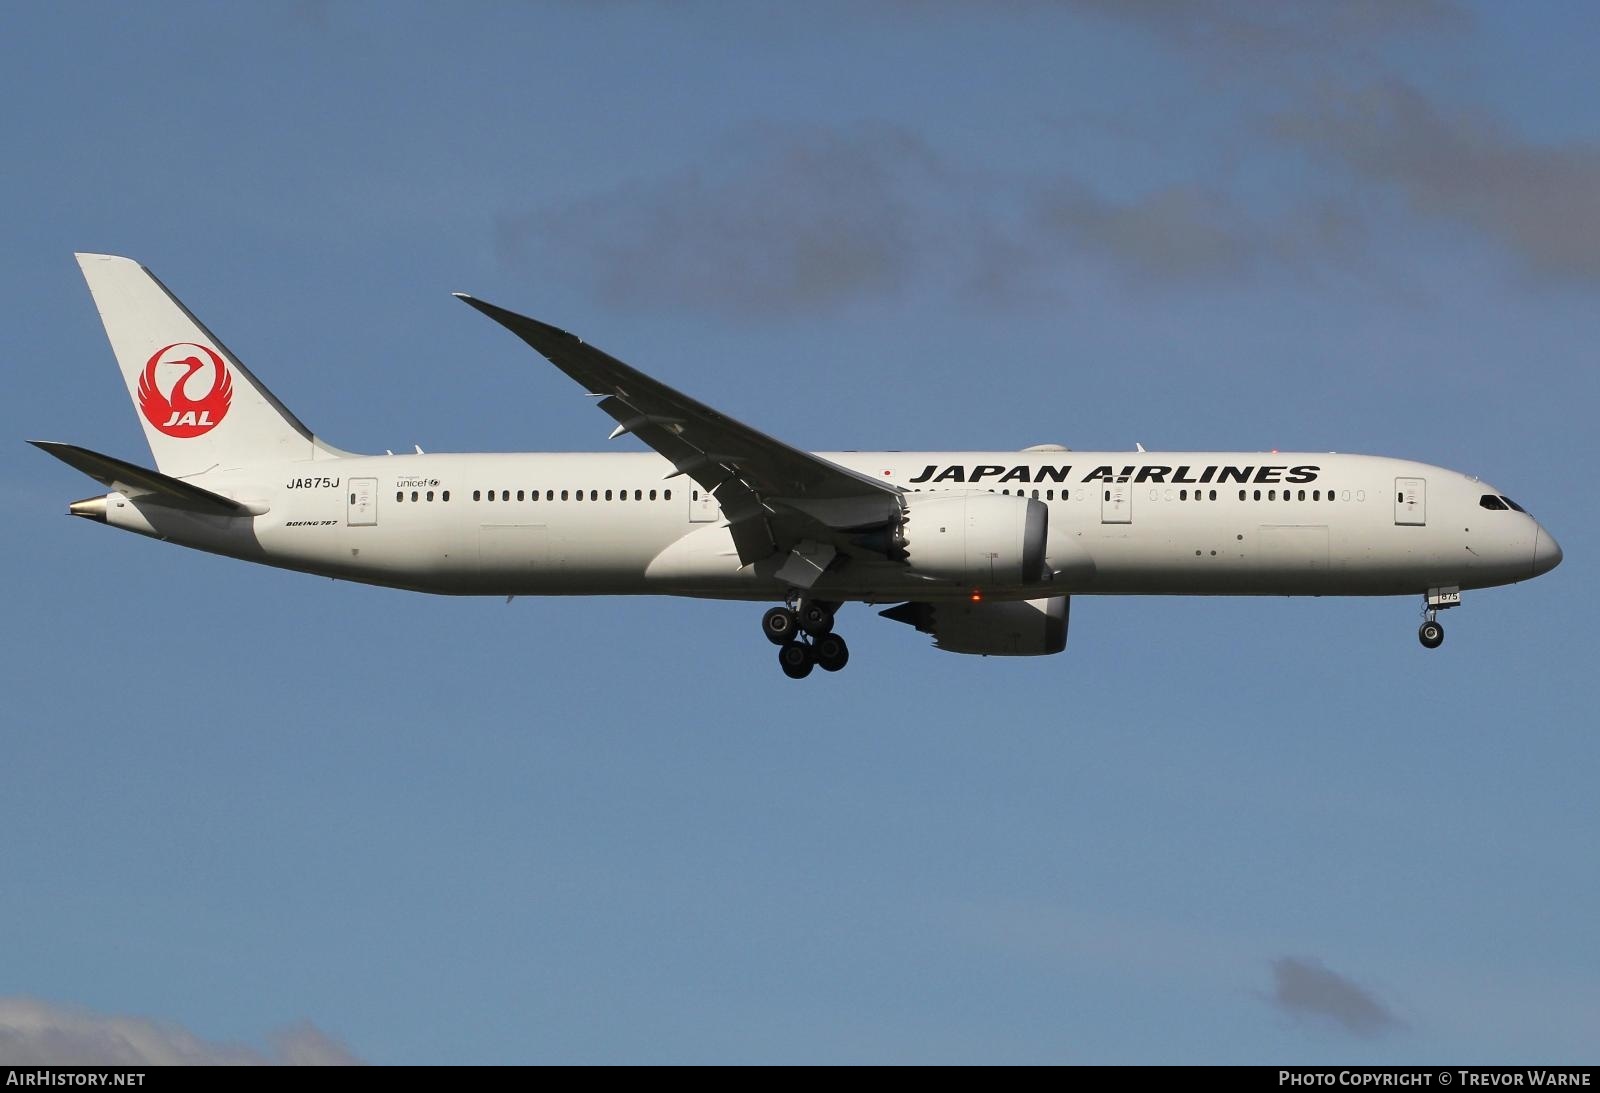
(978, 539)
(1020, 628)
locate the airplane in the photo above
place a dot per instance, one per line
(981, 550)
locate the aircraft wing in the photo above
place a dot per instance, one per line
(773, 496)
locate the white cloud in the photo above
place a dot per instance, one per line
(35, 1033)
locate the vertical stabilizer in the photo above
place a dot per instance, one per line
(200, 408)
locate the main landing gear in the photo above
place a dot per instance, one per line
(1431, 632)
(803, 632)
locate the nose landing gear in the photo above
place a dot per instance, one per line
(1431, 632)
(803, 632)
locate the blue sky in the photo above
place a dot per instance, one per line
(412, 829)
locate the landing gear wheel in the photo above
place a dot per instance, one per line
(831, 652)
(816, 620)
(1431, 634)
(796, 660)
(780, 624)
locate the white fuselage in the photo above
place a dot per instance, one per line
(616, 524)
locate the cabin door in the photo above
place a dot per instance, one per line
(363, 508)
(1116, 503)
(1411, 501)
(702, 506)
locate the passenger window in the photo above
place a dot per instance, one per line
(477, 495)
(608, 495)
(413, 495)
(563, 495)
(1258, 495)
(1183, 495)
(594, 495)
(652, 495)
(1213, 495)
(666, 495)
(638, 495)
(505, 495)
(1302, 495)
(445, 496)
(430, 495)
(398, 496)
(519, 495)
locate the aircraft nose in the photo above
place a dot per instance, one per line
(1546, 553)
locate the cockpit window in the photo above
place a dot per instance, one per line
(1512, 503)
(1490, 501)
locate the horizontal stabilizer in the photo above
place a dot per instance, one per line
(137, 482)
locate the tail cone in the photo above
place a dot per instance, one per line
(90, 508)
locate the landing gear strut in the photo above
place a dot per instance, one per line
(802, 630)
(1431, 632)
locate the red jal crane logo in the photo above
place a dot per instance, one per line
(177, 412)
